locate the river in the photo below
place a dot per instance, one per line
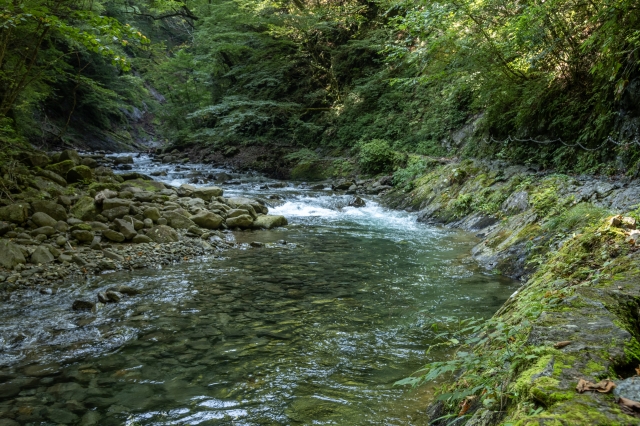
(312, 327)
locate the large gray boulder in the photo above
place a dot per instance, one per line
(207, 220)
(53, 177)
(268, 222)
(70, 154)
(10, 254)
(115, 213)
(126, 228)
(43, 219)
(112, 203)
(152, 213)
(79, 174)
(51, 208)
(112, 235)
(16, 213)
(207, 192)
(41, 255)
(237, 202)
(162, 234)
(178, 221)
(244, 221)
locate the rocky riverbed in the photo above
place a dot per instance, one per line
(66, 214)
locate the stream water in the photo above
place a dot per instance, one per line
(313, 328)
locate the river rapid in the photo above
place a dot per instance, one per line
(314, 326)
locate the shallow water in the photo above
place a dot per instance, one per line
(312, 328)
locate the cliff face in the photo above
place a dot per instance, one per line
(572, 242)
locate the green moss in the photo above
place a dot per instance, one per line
(594, 369)
(61, 168)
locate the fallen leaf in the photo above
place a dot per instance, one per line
(562, 344)
(465, 405)
(629, 406)
(638, 370)
(603, 386)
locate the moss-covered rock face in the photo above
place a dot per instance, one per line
(84, 209)
(582, 278)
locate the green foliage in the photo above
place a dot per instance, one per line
(416, 166)
(487, 355)
(376, 156)
(576, 217)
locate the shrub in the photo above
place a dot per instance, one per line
(376, 157)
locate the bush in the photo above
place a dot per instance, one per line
(376, 157)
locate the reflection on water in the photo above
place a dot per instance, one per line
(312, 328)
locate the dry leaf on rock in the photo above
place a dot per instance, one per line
(629, 406)
(562, 344)
(638, 370)
(603, 386)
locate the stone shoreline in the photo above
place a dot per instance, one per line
(66, 215)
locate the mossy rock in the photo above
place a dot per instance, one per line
(61, 168)
(100, 186)
(147, 185)
(79, 174)
(84, 209)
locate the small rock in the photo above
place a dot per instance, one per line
(43, 219)
(162, 234)
(82, 305)
(126, 228)
(82, 235)
(357, 202)
(61, 241)
(140, 239)
(41, 255)
(114, 256)
(112, 235)
(114, 296)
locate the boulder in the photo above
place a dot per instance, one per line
(34, 159)
(112, 235)
(162, 234)
(10, 254)
(268, 222)
(236, 202)
(43, 219)
(43, 230)
(243, 221)
(357, 202)
(115, 213)
(206, 193)
(51, 208)
(61, 168)
(53, 177)
(237, 212)
(89, 162)
(207, 220)
(82, 305)
(70, 155)
(177, 220)
(185, 190)
(126, 228)
(16, 213)
(41, 255)
(104, 195)
(82, 235)
(135, 175)
(152, 213)
(111, 203)
(139, 239)
(61, 226)
(79, 174)
(126, 159)
(84, 209)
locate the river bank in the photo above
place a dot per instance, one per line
(573, 243)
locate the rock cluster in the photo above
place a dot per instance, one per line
(72, 214)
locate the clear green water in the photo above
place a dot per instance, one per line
(315, 331)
